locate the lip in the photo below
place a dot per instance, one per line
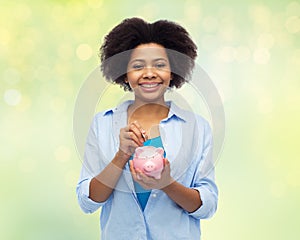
(150, 86)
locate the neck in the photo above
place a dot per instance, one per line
(148, 116)
(140, 103)
(153, 109)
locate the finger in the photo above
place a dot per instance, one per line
(124, 131)
(167, 168)
(128, 146)
(145, 179)
(166, 162)
(130, 136)
(142, 130)
(132, 170)
(139, 131)
(132, 167)
(135, 138)
(139, 175)
(128, 131)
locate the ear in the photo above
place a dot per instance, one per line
(138, 151)
(172, 76)
(160, 151)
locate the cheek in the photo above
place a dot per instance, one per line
(132, 78)
(133, 84)
(167, 78)
(166, 74)
(134, 75)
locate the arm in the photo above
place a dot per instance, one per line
(186, 198)
(102, 185)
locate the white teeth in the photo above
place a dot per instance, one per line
(150, 85)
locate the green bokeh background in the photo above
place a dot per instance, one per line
(250, 49)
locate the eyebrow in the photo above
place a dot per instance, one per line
(143, 60)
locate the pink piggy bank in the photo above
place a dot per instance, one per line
(149, 160)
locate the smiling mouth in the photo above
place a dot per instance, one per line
(149, 85)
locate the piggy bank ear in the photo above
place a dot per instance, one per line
(138, 151)
(160, 151)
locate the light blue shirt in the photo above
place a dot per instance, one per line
(187, 140)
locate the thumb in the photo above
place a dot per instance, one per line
(166, 162)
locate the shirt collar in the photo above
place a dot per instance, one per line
(175, 111)
(120, 108)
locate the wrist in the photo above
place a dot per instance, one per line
(122, 156)
(120, 160)
(168, 187)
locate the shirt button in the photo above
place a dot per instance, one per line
(154, 195)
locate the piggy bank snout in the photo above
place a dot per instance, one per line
(149, 166)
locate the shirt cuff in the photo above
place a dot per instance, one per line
(208, 207)
(87, 205)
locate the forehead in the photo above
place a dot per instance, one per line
(149, 51)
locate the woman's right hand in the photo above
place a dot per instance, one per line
(131, 137)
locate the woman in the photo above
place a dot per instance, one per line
(143, 57)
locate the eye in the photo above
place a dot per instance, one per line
(137, 66)
(160, 65)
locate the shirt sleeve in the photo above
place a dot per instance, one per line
(204, 179)
(90, 168)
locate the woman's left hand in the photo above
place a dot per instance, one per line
(149, 182)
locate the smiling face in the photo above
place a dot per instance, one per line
(149, 73)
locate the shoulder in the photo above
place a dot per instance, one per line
(108, 113)
(188, 116)
(112, 117)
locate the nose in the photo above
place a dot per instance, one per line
(149, 72)
(149, 166)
